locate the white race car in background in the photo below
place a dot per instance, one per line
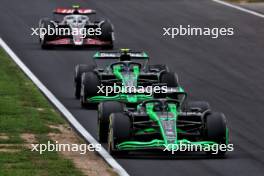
(77, 26)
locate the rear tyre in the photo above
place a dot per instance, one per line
(170, 78)
(104, 111)
(44, 38)
(216, 131)
(107, 34)
(89, 87)
(79, 70)
(157, 68)
(200, 106)
(119, 131)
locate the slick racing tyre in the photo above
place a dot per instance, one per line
(170, 78)
(79, 70)
(198, 106)
(44, 38)
(107, 34)
(157, 68)
(119, 131)
(89, 87)
(104, 111)
(216, 131)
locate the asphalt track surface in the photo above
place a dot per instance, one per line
(227, 72)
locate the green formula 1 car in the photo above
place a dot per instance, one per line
(162, 123)
(127, 74)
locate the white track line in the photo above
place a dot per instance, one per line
(239, 8)
(108, 158)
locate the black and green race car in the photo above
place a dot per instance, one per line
(162, 123)
(123, 68)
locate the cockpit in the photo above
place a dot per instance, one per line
(76, 20)
(161, 105)
(126, 66)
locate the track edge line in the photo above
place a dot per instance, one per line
(239, 8)
(66, 113)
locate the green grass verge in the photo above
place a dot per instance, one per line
(23, 109)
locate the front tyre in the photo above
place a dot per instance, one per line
(216, 131)
(119, 131)
(104, 111)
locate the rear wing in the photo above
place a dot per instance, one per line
(118, 54)
(68, 11)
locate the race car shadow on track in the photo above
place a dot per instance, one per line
(161, 155)
(164, 155)
(70, 48)
(35, 46)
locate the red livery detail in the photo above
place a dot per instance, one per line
(64, 41)
(96, 42)
(70, 11)
(68, 41)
